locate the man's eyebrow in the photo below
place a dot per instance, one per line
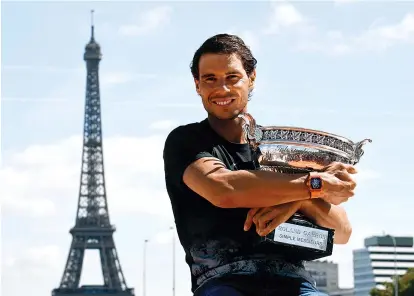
(212, 75)
(207, 75)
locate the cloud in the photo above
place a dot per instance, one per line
(70, 85)
(34, 100)
(377, 38)
(40, 185)
(367, 174)
(110, 76)
(251, 39)
(40, 266)
(120, 77)
(284, 18)
(283, 15)
(34, 175)
(42, 69)
(40, 256)
(402, 31)
(42, 179)
(164, 237)
(341, 2)
(163, 125)
(148, 22)
(34, 265)
(39, 193)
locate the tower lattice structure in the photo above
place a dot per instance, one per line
(93, 229)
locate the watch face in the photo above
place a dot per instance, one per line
(316, 183)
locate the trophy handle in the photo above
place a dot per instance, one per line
(358, 151)
(252, 131)
(249, 125)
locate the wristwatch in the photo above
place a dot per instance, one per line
(315, 184)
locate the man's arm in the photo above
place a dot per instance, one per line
(209, 178)
(330, 216)
(188, 160)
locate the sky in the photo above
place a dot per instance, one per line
(343, 67)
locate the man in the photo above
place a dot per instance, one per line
(222, 205)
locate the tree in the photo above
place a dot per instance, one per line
(406, 283)
(405, 286)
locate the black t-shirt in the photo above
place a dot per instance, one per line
(213, 238)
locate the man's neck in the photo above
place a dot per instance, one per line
(229, 129)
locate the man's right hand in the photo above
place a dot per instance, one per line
(338, 183)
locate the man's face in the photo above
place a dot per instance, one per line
(223, 85)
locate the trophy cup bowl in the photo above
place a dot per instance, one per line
(295, 150)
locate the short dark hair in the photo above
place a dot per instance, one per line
(224, 44)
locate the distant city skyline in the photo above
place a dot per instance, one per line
(342, 67)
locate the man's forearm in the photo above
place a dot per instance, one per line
(250, 189)
(330, 216)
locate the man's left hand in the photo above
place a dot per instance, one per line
(267, 219)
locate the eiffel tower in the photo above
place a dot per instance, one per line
(92, 229)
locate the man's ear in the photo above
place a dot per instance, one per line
(197, 86)
(252, 79)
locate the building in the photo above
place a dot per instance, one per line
(381, 259)
(325, 274)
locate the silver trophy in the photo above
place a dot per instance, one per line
(294, 150)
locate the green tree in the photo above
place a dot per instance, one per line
(406, 283)
(405, 286)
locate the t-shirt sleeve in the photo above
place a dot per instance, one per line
(180, 150)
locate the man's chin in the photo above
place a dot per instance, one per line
(230, 116)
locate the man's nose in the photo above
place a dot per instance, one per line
(222, 84)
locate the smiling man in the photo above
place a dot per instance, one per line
(219, 198)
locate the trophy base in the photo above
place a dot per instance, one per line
(302, 240)
(298, 238)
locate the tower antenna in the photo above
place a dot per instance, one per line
(92, 25)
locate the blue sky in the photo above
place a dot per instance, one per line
(343, 67)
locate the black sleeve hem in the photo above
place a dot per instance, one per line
(180, 151)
